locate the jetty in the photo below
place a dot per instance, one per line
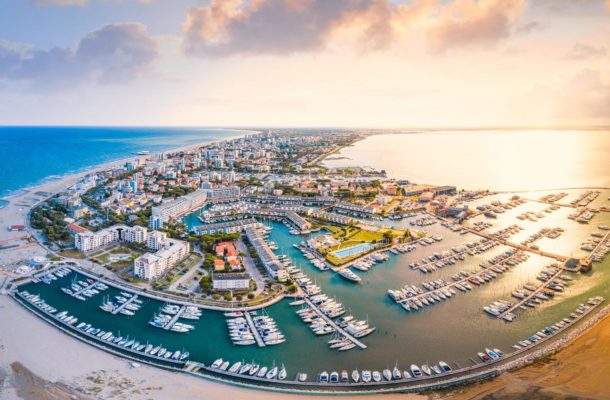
(122, 306)
(79, 292)
(259, 340)
(533, 294)
(334, 325)
(461, 281)
(589, 259)
(174, 319)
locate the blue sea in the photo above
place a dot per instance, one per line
(33, 155)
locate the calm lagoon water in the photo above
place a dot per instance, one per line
(496, 160)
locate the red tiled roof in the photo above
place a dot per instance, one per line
(77, 228)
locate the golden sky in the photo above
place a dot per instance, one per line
(349, 63)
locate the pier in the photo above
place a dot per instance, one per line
(174, 319)
(334, 325)
(588, 259)
(122, 306)
(461, 281)
(78, 293)
(257, 336)
(534, 293)
(557, 257)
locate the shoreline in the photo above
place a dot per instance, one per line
(53, 180)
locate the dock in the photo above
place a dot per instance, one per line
(533, 294)
(122, 306)
(334, 325)
(174, 319)
(461, 281)
(257, 336)
(78, 293)
(588, 259)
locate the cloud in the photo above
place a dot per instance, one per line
(64, 3)
(265, 26)
(530, 26)
(227, 27)
(471, 23)
(584, 95)
(114, 53)
(582, 51)
(59, 2)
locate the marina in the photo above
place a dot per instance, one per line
(412, 379)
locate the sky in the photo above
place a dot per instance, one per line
(306, 63)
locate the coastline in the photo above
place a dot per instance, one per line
(15, 207)
(69, 175)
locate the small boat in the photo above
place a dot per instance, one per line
(282, 374)
(349, 275)
(426, 369)
(444, 366)
(366, 376)
(272, 373)
(376, 376)
(215, 364)
(387, 374)
(355, 375)
(415, 371)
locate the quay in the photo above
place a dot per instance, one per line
(334, 325)
(122, 306)
(174, 319)
(259, 340)
(165, 298)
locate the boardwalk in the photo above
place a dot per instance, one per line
(334, 325)
(122, 306)
(257, 336)
(174, 319)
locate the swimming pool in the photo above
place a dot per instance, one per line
(350, 251)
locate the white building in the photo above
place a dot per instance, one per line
(169, 253)
(223, 193)
(180, 206)
(239, 281)
(89, 241)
